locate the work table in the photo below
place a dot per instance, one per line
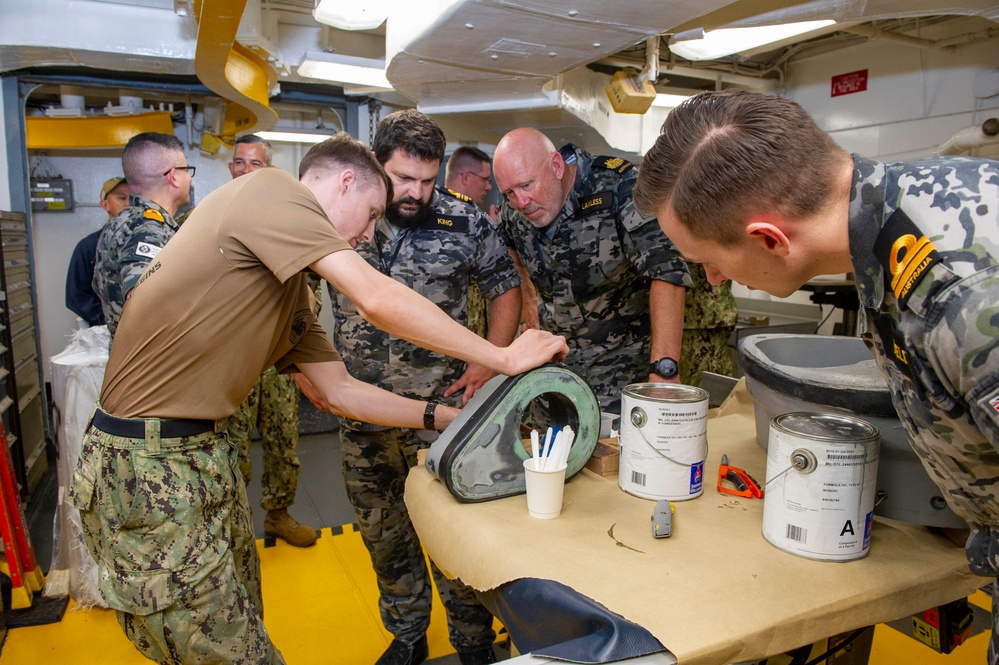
(714, 592)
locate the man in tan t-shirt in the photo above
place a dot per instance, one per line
(164, 507)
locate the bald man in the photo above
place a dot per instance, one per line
(607, 278)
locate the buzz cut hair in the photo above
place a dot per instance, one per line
(465, 158)
(146, 156)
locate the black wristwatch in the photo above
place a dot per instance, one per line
(428, 414)
(665, 367)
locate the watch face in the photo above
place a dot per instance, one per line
(666, 367)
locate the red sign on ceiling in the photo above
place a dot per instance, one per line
(847, 84)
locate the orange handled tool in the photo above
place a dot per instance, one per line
(743, 483)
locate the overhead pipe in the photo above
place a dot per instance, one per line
(975, 136)
(886, 35)
(950, 43)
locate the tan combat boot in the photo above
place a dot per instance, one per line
(280, 524)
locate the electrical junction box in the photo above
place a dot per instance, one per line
(51, 194)
(629, 92)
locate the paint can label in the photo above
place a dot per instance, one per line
(663, 441)
(821, 485)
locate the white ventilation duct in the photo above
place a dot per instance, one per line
(969, 138)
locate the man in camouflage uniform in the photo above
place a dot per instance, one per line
(750, 185)
(435, 243)
(163, 505)
(606, 277)
(271, 407)
(159, 181)
(709, 317)
(468, 175)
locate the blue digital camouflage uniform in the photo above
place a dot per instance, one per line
(924, 239)
(592, 268)
(709, 317)
(126, 245)
(438, 259)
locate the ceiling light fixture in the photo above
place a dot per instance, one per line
(666, 101)
(294, 137)
(343, 69)
(727, 41)
(366, 15)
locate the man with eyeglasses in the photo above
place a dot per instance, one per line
(469, 172)
(159, 181)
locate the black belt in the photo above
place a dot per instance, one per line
(136, 428)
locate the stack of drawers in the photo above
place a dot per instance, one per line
(22, 401)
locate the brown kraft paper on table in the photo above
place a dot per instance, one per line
(714, 592)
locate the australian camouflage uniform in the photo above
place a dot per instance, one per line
(128, 243)
(709, 317)
(592, 268)
(165, 564)
(924, 239)
(272, 407)
(438, 259)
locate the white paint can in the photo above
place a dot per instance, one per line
(663, 440)
(822, 471)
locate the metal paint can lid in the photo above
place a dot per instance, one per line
(665, 392)
(826, 427)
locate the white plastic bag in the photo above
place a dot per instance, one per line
(77, 374)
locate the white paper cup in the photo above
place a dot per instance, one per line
(544, 491)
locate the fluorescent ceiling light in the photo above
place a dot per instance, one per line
(344, 69)
(293, 137)
(663, 100)
(352, 14)
(720, 43)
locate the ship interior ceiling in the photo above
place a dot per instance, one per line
(916, 77)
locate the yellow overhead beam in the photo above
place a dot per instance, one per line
(105, 131)
(231, 71)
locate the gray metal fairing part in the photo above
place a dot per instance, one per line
(480, 456)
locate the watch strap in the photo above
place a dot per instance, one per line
(428, 414)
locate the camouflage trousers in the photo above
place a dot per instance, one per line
(375, 465)
(983, 559)
(168, 523)
(705, 350)
(478, 310)
(271, 407)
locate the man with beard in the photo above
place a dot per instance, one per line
(436, 244)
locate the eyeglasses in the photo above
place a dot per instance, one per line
(190, 170)
(484, 178)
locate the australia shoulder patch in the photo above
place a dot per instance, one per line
(905, 254)
(154, 215)
(147, 250)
